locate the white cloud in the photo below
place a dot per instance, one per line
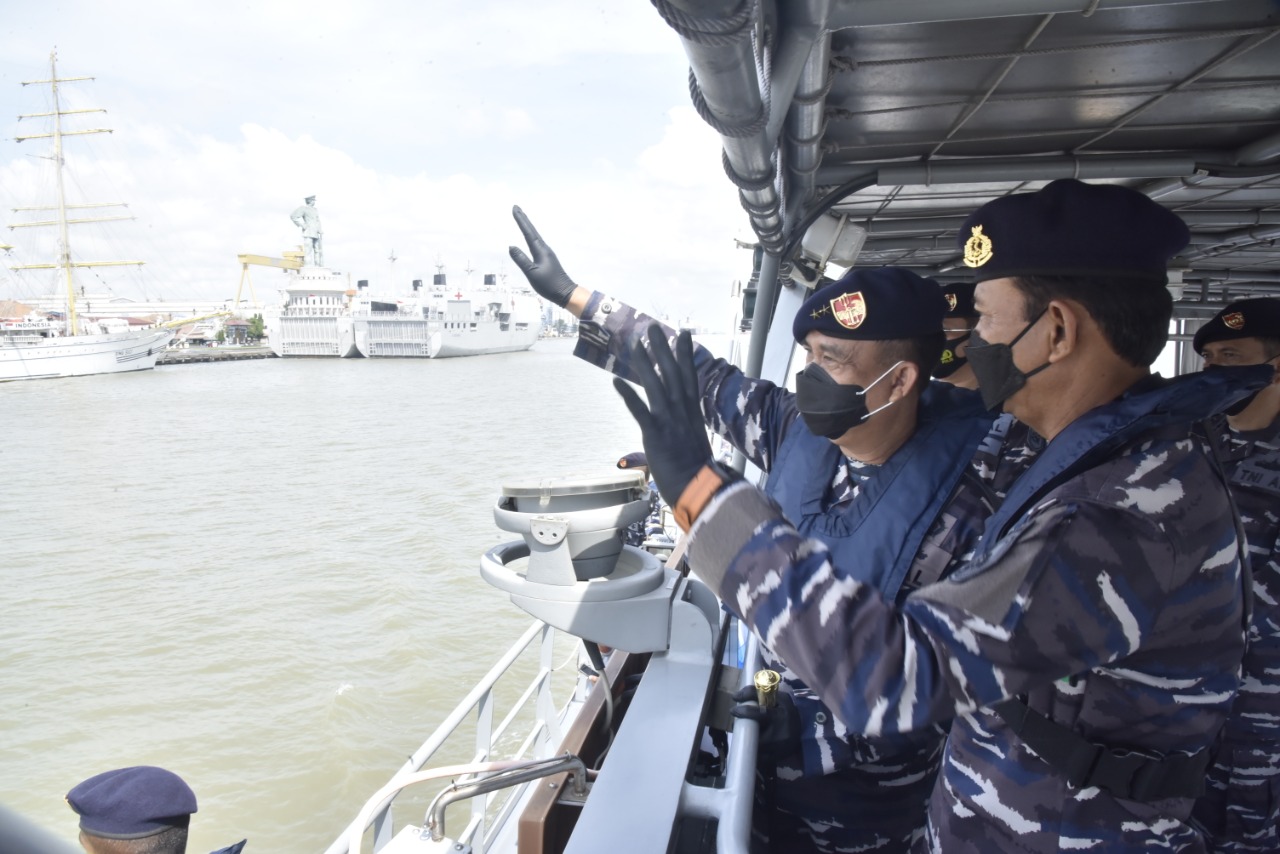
(416, 129)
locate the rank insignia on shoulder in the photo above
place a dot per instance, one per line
(849, 310)
(977, 249)
(1234, 320)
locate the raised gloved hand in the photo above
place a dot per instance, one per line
(672, 427)
(779, 724)
(544, 272)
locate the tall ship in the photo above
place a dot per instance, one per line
(442, 321)
(65, 344)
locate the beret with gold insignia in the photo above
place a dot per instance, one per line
(1247, 318)
(959, 297)
(873, 304)
(1070, 228)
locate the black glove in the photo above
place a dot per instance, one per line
(673, 430)
(779, 724)
(544, 272)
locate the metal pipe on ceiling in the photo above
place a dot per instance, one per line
(802, 32)
(1232, 277)
(806, 119)
(1259, 151)
(1015, 169)
(1235, 239)
(724, 67)
(1255, 153)
(879, 13)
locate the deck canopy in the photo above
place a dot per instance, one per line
(902, 116)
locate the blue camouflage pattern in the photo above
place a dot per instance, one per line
(1111, 603)
(842, 791)
(1240, 810)
(650, 527)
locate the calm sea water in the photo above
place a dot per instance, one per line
(263, 575)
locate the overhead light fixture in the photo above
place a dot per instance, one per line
(832, 240)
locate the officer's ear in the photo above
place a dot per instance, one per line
(903, 379)
(1065, 320)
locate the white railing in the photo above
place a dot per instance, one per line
(543, 737)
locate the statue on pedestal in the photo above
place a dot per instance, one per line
(307, 218)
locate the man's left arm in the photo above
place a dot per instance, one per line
(954, 646)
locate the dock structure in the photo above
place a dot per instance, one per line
(189, 355)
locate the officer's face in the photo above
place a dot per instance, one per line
(850, 363)
(1002, 317)
(1240, 351)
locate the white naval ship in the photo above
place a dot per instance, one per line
(314, 315)
(442, 320)
(320, 314)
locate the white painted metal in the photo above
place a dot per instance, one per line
(33, 357)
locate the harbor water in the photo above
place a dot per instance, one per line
(263, 575)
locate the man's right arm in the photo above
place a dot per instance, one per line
(751, 415)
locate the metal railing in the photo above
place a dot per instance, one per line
(542, 739)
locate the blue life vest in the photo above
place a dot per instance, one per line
(876, 537)
(1093, 437)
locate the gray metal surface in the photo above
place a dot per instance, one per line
(639, 790)
(931, 109)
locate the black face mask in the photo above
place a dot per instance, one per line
(949, 363)
(828, 408)
(1243, 403)
(998, 377)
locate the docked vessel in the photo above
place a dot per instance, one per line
(314, 315)
(320, 314)
(42, 347)
(443, 321)
(881, 125)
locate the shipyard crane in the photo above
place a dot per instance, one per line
(292, 260)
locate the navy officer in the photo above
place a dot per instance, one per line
(863, 456)
(137, 810)
(1240, 810)
(958, 325)
(1088, 652)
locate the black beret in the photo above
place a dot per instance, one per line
(130, 803)
(959, 297)
(635, 459)
(1248, 318)
(875, 304)
(1070, 228)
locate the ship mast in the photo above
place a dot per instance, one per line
(64, 263)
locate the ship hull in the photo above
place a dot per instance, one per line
(323, 335)
(415, 338)
(449, 343)
(81, 355)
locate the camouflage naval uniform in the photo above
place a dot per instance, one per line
(1106, 591)
(841, 792)
(1241, 807)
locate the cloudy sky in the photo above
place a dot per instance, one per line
(416, 124)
